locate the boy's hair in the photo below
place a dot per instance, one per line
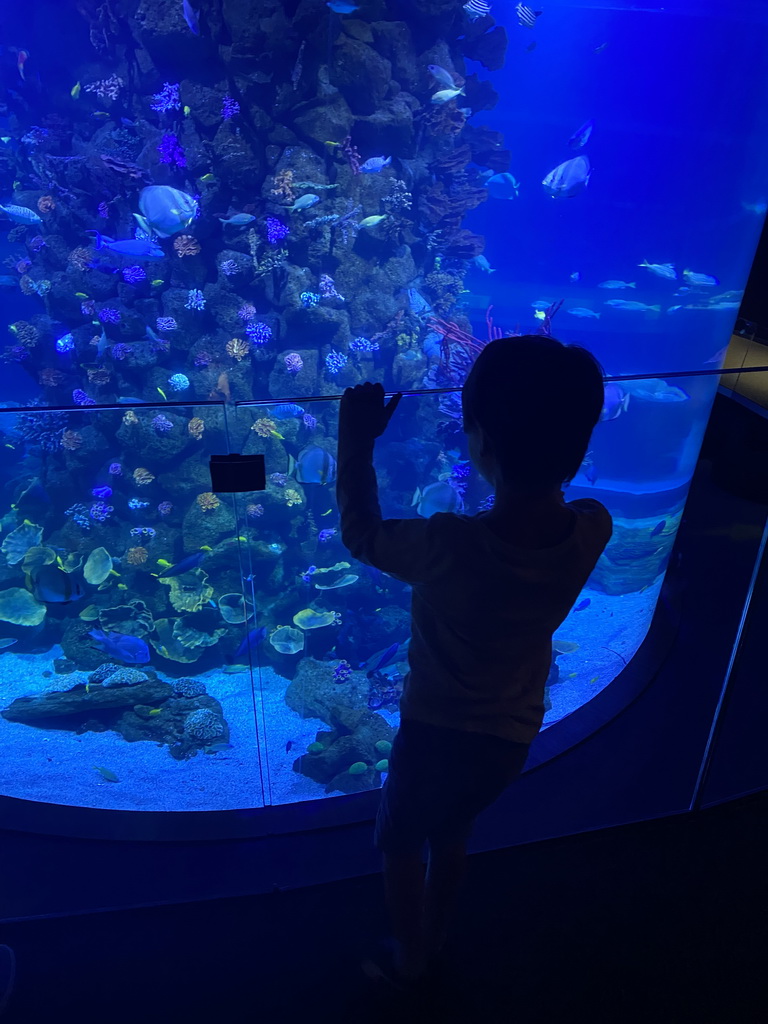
(537, 401)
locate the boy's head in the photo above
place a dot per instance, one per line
(530, 405)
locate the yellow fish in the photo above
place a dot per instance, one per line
(99, 114)
(163, 394)
(208, 177)
(326, 513)
(13, 448)
(155, 711)
(16, 183)
(13, 328)
(80, 295)
(157, 282)
(164, 563)
(329, 143)
(540, 314)
(276, 433)
(203, 547)
(87, 687)
(572, 675)
(243, 540)
(114, 572)
(187, 111)
(74, 92)
(595, 679)
(120, 586)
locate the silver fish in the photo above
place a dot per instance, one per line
(665, 270)
(304, 202)
(700, 280)
(568, 178)
(583, 312)
(617, 284)
(631, 306)
(445, 78)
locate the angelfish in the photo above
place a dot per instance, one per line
(581, 137)
(192, 17)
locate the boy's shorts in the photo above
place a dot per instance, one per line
(439, 781)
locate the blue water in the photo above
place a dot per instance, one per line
(678, 157)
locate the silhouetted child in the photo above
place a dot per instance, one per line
(489, 590)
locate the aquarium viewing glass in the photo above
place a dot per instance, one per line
(218, 216)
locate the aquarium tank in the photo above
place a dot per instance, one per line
(214, 217)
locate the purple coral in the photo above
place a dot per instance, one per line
(334, 362)
(325, 535)
(229, 107)
(166, 323)
(88, 307)
(278, 479)
(109, 315)
(364, 345)
(167, 99)
(328, 288)
(100, 511)
(342, 672)
(103, 210)
(133, 275)
(309, 420)
(79, 397)
(115, 469)
(165, 508)
(276, 230)
(229, 268)
(255, 510)
(293, 362)
(203, 359)
(103, 492)
(171, 151)
(259, 332)
(120, 350)
(162, 424)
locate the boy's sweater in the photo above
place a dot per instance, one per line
(483, 611)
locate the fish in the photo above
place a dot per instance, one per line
(700, 280)
(288, 746)
(615, 285)
(531, 46)
(156, 711)
(52, 585)
(665, 270)
(164, 563)
(162, 394)
(191, 16)
(100, 115)
(575, 276)
(526, 16)
(208, 177)
(21, 214)
(583, 312)
(477, 9)
(313, 465)
(540, 314)
(121, 646)
(106, 773)
(583, 604)
(6, 281)
(718, 305)
(374, 164)
(437, 497)
(631, 306)
(21, 59)
(185, 565)
(541, 304)
(251, 641)
(342, 6)
(136, 248)
(238, 219)
(503, 186)
(7, 641)
(581, 137)
(304, 202)
(371, 222)
(445, 78)
(481, 262)
(658, 528)
(615, 402)
(187, 110)
(600, 48)
(445, 95)
(568, 178)
(655, 390)
(165, 210)
(285, 411)
(380, 659)
(759, 208)
(74, 92)
(215, 748)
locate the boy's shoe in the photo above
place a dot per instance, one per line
(7, 975)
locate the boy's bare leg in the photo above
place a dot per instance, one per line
(445, 872)
(404, 882)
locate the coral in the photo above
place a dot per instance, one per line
(80, 258)
(309, 299)
(229, 108)
(26, 334)
(208, 501)
(287, 640)
(259, 332)
(282, 187)
(161, 424)
(109, 315)
(124, 677)
(237, 349)
(136, 556)
(18, 606)
(264, 426)
(171, 151)
(254, 510)
(98, 375)
(292, 497)
(18, 542)
(100, 511)
(275, 230)
(142, 476)
(166, 323)
(308, 618)
(46, 204)
(98, 566)
(80, 397)
(204, 724)
(106, 88)
(167, 99)
(186, 245)
(190, 591)
(351, 154)
(335, 361)
(188, 687)
(71, 440)
(247, 311)
(134, 275)
(229, 268)
(293, 362)
(196, 428)
(178, 381)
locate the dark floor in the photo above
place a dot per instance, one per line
(661, 923)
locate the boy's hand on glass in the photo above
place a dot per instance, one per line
(364, 413)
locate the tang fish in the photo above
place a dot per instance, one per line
(617, 284)
(313, 465)
(165, 210)
(615, 402)
(568, 178)
(185, 565)
(525, 16)
(700, 280)
(21, 214)
(631, 306)
(251, 641)
(191, 16)
(52, 585)
(375, 164)
(121, 646)
(238, 219)
(444, 95)
(665, 270)
(137, 248)
(445, 78)
(583, 312)
(503, 186)
(437, 497)
(581, 137)
(304, 202)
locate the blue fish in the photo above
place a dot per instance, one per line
(121, 646)
(341, 6)
(583, 604)
(286, 411)
(6, 281)
(185, 565)
(377, 661)
(313, 465)
(437, 497)
(375, 164)
(581, 137)
(658, 528)
(252, 641)
(192, 17)
(137, 248)
(503, 186)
